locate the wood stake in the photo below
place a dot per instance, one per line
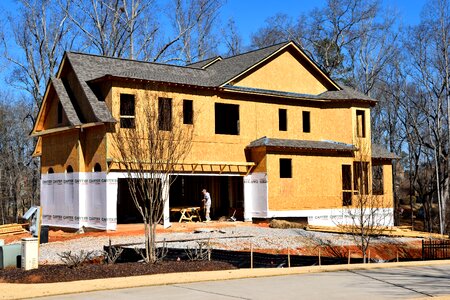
(349, 256)
(251, 256)
(368, 259)
(397, 255)
(320, 260)
(289, 257)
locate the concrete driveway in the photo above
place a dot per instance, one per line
(391, 283)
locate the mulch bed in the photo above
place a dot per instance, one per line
(62, 273)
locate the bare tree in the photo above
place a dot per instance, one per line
(39, 33)
(368, 213)
(150, 152)
(232, 39)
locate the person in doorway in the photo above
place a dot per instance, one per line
(207, 204)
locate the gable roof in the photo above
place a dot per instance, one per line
(215, 73)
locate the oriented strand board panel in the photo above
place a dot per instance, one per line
(59, 151)
(287, 73)
(316, 182)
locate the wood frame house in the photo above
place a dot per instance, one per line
(274, 137)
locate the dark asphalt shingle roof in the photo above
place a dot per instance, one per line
(379, 152)
(65, 101)
(301, 144)
(93, 67)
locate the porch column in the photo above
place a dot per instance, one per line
(165, 198)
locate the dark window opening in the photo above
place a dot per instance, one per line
(360, 123)
(69, 169)
(226, 118)
(188, 112)
(50, 171)
(306, 119)
(377, 180)
(285, 168)
(361, 177)
(127, 111)
(165, 114)
(60, 113)
(97, 168)
(346, 185)
(282, 119)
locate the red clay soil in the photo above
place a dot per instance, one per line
(62, 273)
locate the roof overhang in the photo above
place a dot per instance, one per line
(65, 128)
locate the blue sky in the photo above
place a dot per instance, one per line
(249, 15)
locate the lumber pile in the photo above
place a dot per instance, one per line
(400, 231)
(14, 228)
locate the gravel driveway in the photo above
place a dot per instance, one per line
(232, 238)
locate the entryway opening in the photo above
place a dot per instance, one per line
(227, 194)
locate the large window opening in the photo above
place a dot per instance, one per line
(346, 185)
(361, 177)
(360, 123)
(127, 111)
(188, 112)
(285, 168)
(282, 119)
(377, 180)
(226, 118)
(306, 120)
(165, 114)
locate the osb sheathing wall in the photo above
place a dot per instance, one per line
(257, 119)
(284, 73)
(93, 141)
(59, 151)
(315, 184)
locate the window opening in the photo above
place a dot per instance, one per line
(165, 114)
(377, 180)
(97, 168)
(361, 177)
(226, 118)
(127, 111)
(188, 112)
(285, 168)
(282, 119)
(360, 123)
(306, 120)
(60, 112)
(346, 185)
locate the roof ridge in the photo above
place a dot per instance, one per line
(203, 60)
(259, 49)
(132, 60)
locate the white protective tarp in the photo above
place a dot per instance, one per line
(255, 196)
(78, 199)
